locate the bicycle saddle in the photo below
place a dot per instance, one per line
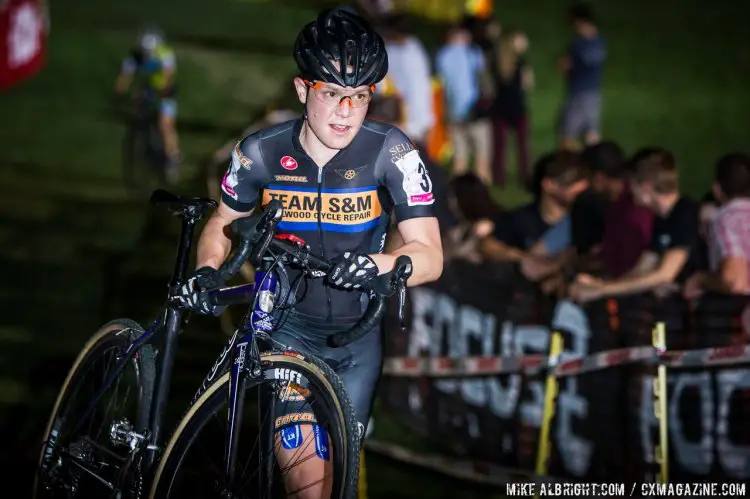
(181, 206)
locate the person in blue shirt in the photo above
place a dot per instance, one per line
(582, 64)
(459, 65)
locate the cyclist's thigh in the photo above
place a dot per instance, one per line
(291, 407)
(302, 447)
(359, 365)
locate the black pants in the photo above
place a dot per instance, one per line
(358, 364)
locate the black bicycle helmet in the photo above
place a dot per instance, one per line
(338, 35)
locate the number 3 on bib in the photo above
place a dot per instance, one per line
(416, 184)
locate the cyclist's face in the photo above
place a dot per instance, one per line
(334, 113)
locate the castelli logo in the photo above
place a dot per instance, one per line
(288, 163)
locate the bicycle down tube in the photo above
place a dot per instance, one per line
(260, 320)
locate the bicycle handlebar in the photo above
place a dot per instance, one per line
(257, 237)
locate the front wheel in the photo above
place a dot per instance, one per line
(192, 463)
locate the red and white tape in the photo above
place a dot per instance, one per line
(531, 365)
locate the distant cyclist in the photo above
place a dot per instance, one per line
(340, 178)
(155, 61)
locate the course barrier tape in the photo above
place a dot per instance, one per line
(532, 365)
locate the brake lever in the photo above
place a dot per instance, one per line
(403, 272)
(402, 304)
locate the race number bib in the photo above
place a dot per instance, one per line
(416, 184)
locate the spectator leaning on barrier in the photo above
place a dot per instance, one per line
(628, 229)
(472, 205)
(671, 256)
(582, 65)
(728, 232)
(605, 163)
(558, 179)
(582, 229)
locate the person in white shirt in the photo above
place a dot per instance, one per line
(409, 69)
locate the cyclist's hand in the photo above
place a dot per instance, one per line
(352, 271)
(193, 294)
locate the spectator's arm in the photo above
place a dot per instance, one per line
(494, 250)
(564, 63)
(550, 253)
(647, 262)
(125, 76)
(527, 78)
(536, 267)
(666, 272)
(731, 276)
(502, 244)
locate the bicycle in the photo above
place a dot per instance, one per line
(144, 159)
(133, 459)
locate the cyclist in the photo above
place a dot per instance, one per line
(340, 177)
(156, 60)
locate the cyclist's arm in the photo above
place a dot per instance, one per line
(125, 77)
(214, 243)
(422, 244)
(404, 175)
(240, 191)
(168, 67)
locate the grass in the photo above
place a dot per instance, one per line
(76, 251)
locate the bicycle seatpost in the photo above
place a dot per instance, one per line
(189, 218)
(183, 250)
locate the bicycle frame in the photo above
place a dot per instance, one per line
(170, 322)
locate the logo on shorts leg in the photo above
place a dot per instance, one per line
(321, 443)
(291, 437)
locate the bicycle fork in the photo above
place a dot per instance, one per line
(246, 360)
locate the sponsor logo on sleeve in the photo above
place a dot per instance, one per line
(244, 161)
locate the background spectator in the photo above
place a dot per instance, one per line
(674, 236)
(459, 65)
(728, 231)
(559, 179)
(509, 112)
(628, 230)
(409, 69)
(582, 65)
(475, 211)
(605, 163)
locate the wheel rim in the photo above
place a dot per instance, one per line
(78, 450)
(186, 473)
